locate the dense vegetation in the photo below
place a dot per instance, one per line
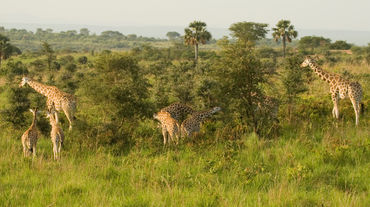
(243, 156)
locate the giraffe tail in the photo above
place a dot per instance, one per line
(362, 108)
(31, 150)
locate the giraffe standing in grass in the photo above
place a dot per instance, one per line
(178, 110)
(192, 124)
(57, 135)
(30, 137)
(56, 99)
(169, 125)
(339, 88)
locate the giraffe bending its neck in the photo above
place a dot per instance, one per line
(56, 99)
(339, 88)
(192, 124)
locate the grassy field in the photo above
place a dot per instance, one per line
(320, 167)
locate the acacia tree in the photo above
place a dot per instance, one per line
(172, 35)
(196, 34)
(248, 32)
(313, 42)
(284, 31)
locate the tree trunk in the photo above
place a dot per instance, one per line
(196, 53)
(284, 46)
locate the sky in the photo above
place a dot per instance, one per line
(308, 14)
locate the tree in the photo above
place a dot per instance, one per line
(49, 52)
(7, 49)
(313, 42)
(196, 34)
(172, 35)
(285, 31)
(84, 32)
(118, 94)
(240, 75)
(340, 45)
(293, 81)
(248, 32)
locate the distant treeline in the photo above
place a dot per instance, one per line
(84, 40)
(74, 40)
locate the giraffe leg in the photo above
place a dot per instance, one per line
(356, 108)
(69, 115)
(164, 133)
(24, 151)
(335, 100)
(34, 151)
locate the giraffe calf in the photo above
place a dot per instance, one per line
(169, 125)
(57, 135)
(30, 137)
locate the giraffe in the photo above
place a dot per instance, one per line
(178, 110)
(30, 137)
(192, 124)
(56, 99)
(169, 125)
(339, 88)
(57, 135)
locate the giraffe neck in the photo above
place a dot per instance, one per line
(53, 122)
(325, 76)
(204, 115)
(40, 88)
(34, 121)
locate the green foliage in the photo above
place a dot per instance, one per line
(172, 35)
(248, 32)
(12, 69)
(14, 111)
(49, 52)
(293, 81)
(313, 42)
(82, 60)
(118, 92)
(241, 74)
(7, 49)
(340, 45)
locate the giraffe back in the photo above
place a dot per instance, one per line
(178, 111)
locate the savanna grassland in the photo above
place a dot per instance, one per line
(245, 155)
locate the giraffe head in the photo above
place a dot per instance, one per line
(51, 115)
(306, 62)
(215, 109)
(34, 111)
(24, 81)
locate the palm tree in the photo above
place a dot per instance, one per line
(195, 34)
(285, 31)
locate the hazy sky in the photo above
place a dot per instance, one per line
(308, 14)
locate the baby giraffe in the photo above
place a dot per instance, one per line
(57, 135)
(29, 137)
(169, 125)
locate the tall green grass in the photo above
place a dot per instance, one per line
(326, 166)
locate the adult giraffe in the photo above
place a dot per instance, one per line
(56, 99)
(339, 87)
